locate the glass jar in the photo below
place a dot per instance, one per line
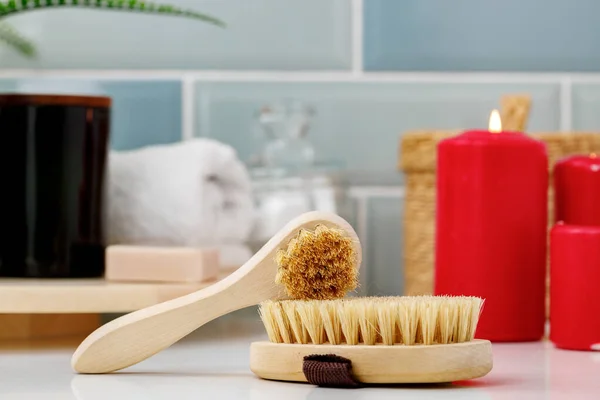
(288, 180)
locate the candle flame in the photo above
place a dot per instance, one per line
(495, 125)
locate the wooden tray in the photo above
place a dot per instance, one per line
(66, 296)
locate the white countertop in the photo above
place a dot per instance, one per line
(212, 364)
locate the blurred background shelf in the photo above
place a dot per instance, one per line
(78, 296)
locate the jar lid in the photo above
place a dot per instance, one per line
(13, 99)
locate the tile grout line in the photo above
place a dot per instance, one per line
(307, 76)
(357, 37)
(204, 113)
(187, 107)
(367, 192)
(566, 104)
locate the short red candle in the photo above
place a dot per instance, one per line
(577, 190)
(491, 229)
(574, 283)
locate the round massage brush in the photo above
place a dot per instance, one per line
(315, 256)
(346, 342)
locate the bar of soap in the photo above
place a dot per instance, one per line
(161, 264)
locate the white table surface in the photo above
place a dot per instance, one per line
(212, 364)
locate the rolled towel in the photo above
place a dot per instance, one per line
(191, 193)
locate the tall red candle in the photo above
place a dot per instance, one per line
(491, 229)
(577, 190)
(574, 294)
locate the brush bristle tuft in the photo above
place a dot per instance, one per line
(318, 265)
(406, 320)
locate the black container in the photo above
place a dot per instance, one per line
(53, 152)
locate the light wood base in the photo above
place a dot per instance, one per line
(42, 326)
(379, 363)
(74, 296)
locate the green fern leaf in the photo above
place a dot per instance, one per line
(11, 7)
(13, 38)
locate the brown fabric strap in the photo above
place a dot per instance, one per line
(329, 370)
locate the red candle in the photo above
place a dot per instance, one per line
(577, 190)
(491, 229)
(574, 294)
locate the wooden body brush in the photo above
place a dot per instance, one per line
(315, 256)
(420, 339)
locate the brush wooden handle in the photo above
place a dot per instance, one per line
(379, 363)
(134, 337)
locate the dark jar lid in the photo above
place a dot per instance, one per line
(12, 99)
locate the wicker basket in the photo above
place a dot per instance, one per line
(418, 162)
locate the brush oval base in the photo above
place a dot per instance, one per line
(379, 363)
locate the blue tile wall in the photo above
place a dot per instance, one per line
(407, 35)
(7, 85)
(586, 103)
(260, 34)
(360, 123)
(143, 112)
(383, 259)
(471, 35)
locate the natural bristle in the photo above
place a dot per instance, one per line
(407, 320)
(318, 265)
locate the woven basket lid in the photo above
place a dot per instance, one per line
(418, 148)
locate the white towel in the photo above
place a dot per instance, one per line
(192, 193)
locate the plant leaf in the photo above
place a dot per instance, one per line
(11, 7)
(14, 39)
